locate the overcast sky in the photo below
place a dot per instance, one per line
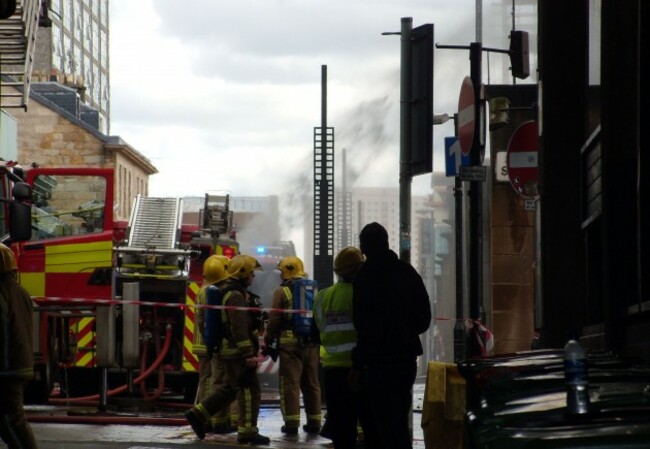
(224, 96)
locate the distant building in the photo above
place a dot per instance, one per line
(74, 51)
(255, 219)
(381, 204)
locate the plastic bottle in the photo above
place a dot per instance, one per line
(576, 378)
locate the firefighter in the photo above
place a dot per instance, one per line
(299, 356)
(16, 354)
(238, 355)
(211, 374)
(243, 268)
(333, 317)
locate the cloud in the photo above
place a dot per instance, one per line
(225, 95)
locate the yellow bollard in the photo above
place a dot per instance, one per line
(444, 406)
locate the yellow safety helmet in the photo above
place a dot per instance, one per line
(242, 265)
(7, 259)
(215, 269)
(348, 261)
(291, 267)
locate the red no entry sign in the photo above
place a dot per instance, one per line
(466, 116)
(521, 159)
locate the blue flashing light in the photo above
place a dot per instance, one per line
(261, 250)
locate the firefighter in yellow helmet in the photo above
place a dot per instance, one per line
(338, 337)
(16, 354)
(211, 375)
(238, 356)
(226, 420)
(299, 356)
(215, 271)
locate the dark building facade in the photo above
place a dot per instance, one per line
(593, 163)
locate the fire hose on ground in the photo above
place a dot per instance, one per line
(103, 418)
(141, 378)
(161, 371)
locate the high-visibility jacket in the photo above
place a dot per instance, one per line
(16, 324)
(333, 316)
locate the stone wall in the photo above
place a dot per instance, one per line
(513, 281)
(51, 139)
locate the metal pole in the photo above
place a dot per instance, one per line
(405, 176)
(345, 240)
(459, 326)
(479, 21)
(476, 191)
(103, 389)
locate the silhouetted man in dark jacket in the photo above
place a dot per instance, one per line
(390, 310)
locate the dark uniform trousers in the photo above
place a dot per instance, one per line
(14, 429)
(238, 379)
(211, 377)
(299, 372)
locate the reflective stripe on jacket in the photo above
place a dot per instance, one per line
(333, 316)
(287, 336)
(198, 345)
(280, 323)
(240, 341)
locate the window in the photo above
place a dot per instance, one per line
(67, 206)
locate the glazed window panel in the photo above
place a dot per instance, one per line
(77, 22)
(55, 6)
(67, 206)
(103, 38)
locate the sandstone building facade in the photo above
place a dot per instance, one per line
(59, 131)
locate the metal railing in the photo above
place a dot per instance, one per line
(17, 46)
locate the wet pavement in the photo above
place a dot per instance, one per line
(60, 428)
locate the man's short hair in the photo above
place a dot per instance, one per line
(373, 239)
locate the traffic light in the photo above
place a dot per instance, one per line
(421, 160)
(519, 54)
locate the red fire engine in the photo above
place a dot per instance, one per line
(82, 268)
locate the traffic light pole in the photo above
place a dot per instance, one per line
(475, 193)
(405, 174)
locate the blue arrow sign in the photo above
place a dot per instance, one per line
(454, 157)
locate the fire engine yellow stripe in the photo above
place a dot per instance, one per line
(87, 339)
(188, 334)
(86, 359)
(34, 283)
(78, 257)
(187, 366)
(189, 325)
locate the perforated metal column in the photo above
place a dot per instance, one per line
(323, 205)
(343, 221)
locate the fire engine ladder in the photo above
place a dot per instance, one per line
(155, 223)
(17, 45)
(217, 216)
(153, 239)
